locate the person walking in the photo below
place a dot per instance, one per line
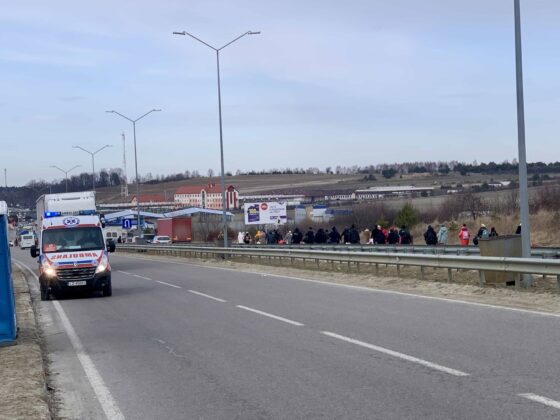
(464, 235)
(443, 235)
(518, 230)
(320, 237)
(334, 236)
(493, 232)
(309, 237)
(354, 235)
(288, 237)
(482, 233)
(379, 237)
(406, 237)
(247, 238)
(297, 236)
(393, 236)
(430, 236)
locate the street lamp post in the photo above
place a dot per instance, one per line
(217, 50)
(65, 172)
(92, 160)
(523, 187)
(133, 121)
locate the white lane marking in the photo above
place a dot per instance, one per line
(366, 289)
(542, 400)
(397, 354)
(169, 284)
(207, 296)
(279, 318)
(141, 277)
(125, 272)
(106, 400)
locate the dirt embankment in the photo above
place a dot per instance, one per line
(23, 390)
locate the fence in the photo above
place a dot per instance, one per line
(540, 266)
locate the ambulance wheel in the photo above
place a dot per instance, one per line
(107, 289)
(44, 292)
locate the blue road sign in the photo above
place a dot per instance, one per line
(127, 224)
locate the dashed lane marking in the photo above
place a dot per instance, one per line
(278, 318)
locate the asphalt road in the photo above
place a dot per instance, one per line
(180, 341)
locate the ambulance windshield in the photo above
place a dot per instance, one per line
(72, 239)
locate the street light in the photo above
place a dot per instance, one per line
(224, 205)
(523, 187)
(92, 160)
(65, 172)
(135, 158)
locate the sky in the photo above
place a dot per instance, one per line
(326, 83)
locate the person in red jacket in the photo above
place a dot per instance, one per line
(464, 235)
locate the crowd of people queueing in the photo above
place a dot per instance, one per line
(377, 236)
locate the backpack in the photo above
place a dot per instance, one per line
(485, 234)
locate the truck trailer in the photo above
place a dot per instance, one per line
(179, 229)
(72, 252)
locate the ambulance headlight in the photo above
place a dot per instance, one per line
(48, 270)
(102, 265)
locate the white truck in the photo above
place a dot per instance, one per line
(71, 247)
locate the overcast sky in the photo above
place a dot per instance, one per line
(326, 83)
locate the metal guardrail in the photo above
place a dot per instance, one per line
(536, 252)
(544, 267)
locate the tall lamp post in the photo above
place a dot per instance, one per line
(133, 121)
(92, 160)
(217, 50)
(65, 172)
(523, 188)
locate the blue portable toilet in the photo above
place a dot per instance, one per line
(8, 325)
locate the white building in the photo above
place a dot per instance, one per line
(207, 196)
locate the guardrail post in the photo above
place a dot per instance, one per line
(358, 267)
(376, 269)
(449, 275)
(481, 278)
(398, 270)
(558, 280)
(422, 272)
(317, 262)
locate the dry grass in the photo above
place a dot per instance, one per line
(545, 230)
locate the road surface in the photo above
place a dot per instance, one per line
(181, 341)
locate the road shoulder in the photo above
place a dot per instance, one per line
(23, 389)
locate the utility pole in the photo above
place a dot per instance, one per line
(124, 188)
(523, 183)
(6, 178)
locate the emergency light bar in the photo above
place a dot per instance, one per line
(49, 214)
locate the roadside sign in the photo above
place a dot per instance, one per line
(127, 224)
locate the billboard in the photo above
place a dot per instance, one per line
(265, 213)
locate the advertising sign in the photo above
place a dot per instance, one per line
(266, 213)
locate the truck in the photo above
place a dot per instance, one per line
(179, 229)
(71, 250)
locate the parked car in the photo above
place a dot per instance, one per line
(161, 240)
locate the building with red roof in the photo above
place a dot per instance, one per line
(207, 196)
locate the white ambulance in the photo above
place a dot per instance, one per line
(72, 251)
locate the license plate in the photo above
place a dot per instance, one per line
(77, 283)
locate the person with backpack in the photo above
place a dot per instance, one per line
(464, 235)
(482, 233)
(320, 237)
(430, 236)
(406, 237)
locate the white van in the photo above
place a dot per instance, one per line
(26, 240)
